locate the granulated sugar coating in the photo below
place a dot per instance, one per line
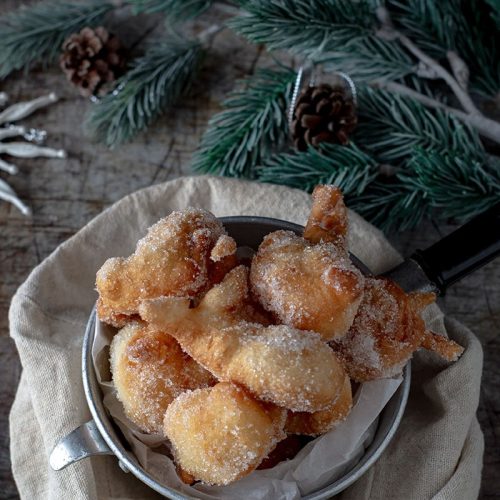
(173, 259)
(218, 356)
(385, 333)
(327, 221)
(319, 422)
(224, 247)
(307, 286)
(149, 371)
(221, 434)
(289, 367)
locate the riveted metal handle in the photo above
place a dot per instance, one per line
(85, 441)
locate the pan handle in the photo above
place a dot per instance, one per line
(471, 246)
(85, 441)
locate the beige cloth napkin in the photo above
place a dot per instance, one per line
(436, 453)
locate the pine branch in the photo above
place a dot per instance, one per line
(485, 126)
(455, 185)
(391, 205)
(252, 123)
(368, 58)
(462, 26)
(302, 27)
(154, 82)
(438, 184)
(495, 14)
(35, 34)
(175, 10)
(390, 127)
(346, 167)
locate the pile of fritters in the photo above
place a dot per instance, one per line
(227, 360)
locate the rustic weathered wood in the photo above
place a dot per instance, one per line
(66, 194)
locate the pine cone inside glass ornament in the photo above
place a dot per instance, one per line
(91, 59)
(323, 113)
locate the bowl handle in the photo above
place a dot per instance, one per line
(84, 441)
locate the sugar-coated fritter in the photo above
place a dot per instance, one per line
(149, 371)
(319, 422)
(387, 330)
(328, 217)
(222, 433)
(182, 255)
(291, 368)
(305, 285)
(310, 283)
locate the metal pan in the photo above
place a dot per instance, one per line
(436, 268)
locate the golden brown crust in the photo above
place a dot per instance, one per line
(149, 371)
(310, 287)
(285, 366)
(446, 348)
(319, 422)
(173, 259)
(328, 218)
(221, 434)
(387, 330)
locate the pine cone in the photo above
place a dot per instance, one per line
(91, 59)
(323, 114)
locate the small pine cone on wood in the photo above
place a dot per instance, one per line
(91, 59)
(323, 114)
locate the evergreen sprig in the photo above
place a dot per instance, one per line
(369, 58)
(154, 82)
(441, 184)
(175, 10)
(464, 26)
(252, 123)
(346, 167)
(35, 34)
(299, 26)
(391, 126)
(456, 185)
(391, 205)
(495, 14)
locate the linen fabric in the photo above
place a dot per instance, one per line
(436, 452)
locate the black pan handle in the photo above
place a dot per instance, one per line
(471, 246)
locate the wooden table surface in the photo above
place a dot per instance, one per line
(66, 194)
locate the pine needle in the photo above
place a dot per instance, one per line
(175, 10)
(346, 167)
(464, 26)
(495, 14)
(302, 26)
(456, 185)
(154, 82)
(35, 34)
(253, 122)
(369, 58)
(391, 205)
(391, 126)
(435, 184)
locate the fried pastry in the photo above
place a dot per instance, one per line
(182, 255)
(387, 330)
(149, 371)
(222, 433)
(319, 422)
(291, 368)
(305, 285)
(328, 218)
